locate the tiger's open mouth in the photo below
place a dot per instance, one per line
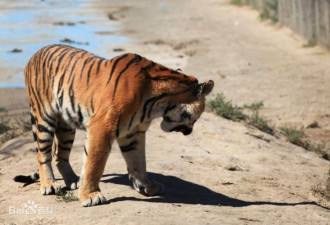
(183, 129)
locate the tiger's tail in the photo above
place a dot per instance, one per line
(27, 179)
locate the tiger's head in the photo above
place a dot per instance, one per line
(182, 117)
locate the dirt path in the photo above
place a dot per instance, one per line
(225, 172)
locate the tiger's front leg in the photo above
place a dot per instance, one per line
(133, 150)
(96, 152)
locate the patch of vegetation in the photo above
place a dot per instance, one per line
(2, 109)
(4, 128)
(260, 123)
(256, 106)
(320, 148)
(225, 108)
(13, 127)
(311, 42)
(313, 125)
(298, 137)
(25, 125)
(295, 136)
(322, 189)
(237, 2)
(8, 136)
(269, 10)
(66, 197)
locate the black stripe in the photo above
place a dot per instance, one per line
(92, 104)
(85, 150)
(66, 160)
(44, 129)
(47, 147)
(136, 59)
(135, 133)
(153, 103)
(33, 120)
(64, 148)
(89, 71)
(51, 55)
(60, 99)
(63, 129)
(35, 137)
(44, 73)
(165, 78)
(130, 122)
(71, 56)
(64, 53)
(114, 66)
(117, 130)
(85, 63)
(44, 140)
(44, 63)
(131, 146)
(80, 116)
(71, 72)
(148, 67)
(71, 95)
(74, 66)
(69, 115)
(57, 108)
(67, 142)
(60, 83)
(48, 119)
(169, 108)
(98, 65)
(148, 101)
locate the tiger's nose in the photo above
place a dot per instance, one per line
(187, 131)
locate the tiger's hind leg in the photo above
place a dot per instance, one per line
(62, 145)
(133, 151)
(44, 133)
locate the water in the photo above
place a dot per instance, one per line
(28, 25)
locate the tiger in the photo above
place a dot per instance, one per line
(112, 99)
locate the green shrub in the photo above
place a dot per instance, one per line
(226, 109)
(295, 136)
(260, 123)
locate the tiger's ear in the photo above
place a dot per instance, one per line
(204, 89)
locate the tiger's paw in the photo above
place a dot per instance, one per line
(73, 184)
(92, 199)
(154, 189)
(51, 188)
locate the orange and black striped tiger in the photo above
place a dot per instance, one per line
(115, 99)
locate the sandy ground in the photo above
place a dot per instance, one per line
(249, 61)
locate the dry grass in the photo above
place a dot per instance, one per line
(66, 197)
(322, 188)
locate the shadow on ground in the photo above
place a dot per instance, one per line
(179, 191)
